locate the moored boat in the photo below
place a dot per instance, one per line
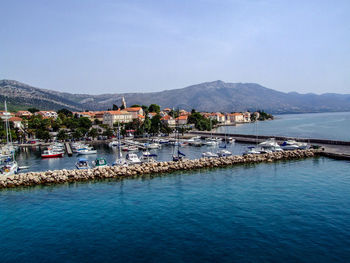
(52, 154)
(99, 162)
(82, 163)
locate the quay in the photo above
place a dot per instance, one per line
(146, 169)
(331, 148)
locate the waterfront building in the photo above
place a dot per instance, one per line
(182, 120)
(99, 115)
(111, 117)
(236, 117)
(170, 121)
(135, 111)
(246, 116)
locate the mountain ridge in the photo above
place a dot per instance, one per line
(208, 96)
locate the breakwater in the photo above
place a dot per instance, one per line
(64, 176)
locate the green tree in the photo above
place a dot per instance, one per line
(85, 123)
(93, 133)
(147, 124)
(108, 132)
(154, 108)
(42, 134)
(115, 107)
(33, 110)
(65, 112)
(62, 135)
(156, 124)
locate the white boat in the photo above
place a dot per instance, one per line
(211, 142)
(294, 145)
(132, 158)
(209, 155)
(148, 154)
(251, 150)
(130, 148)
(49, 153)
(8, 166)
(147, 159)
(153, 146)
(269, 145)
(224, 153)
(82, 163)
(86, 151)
(113, 144)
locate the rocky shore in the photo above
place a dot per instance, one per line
(64, 176)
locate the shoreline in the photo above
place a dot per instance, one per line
(145, 169)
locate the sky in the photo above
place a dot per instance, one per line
(112, 46)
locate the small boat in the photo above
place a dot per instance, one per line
(130, 148)
(209, 155)
(197, 143)
(52, 154)
(153, 146)
(8, 166)
(149, 154)
(132, 158)
(113, 144)
(86, 151)
(82, 163)
(146, 159)
(224, 153)
(211, 143)
(100, 162)
(251, 150)
(294, 145)
(163, 141)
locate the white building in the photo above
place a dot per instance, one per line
(111, 117)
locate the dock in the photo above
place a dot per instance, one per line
(68, 149)
(335, 149)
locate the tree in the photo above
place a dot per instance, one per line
(108, 132)
(77, 134)
(145, 109)
(147, 124)
(93, 133)
(65, 112)
(115, 107)
(156, 124)
(42, 134)
(122, 107)
(154, 108)
(33, 110)
(84, 122)
(62, 135)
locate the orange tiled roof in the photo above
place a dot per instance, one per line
(15, 119)
(166, 118)
(181, 118)
(141, 116)
(117, 112)
(133, 109)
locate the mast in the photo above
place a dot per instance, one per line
(119, 147)
(6, 124)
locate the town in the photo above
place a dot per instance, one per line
(136, 120)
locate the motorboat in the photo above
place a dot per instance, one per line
(211, 142)
(130, 148)
(113, 144)
(269, 145)
(224, 153)
(251, 150)
(294, 145)
(196, 143)
(209, 155)
(147, 159)
(153, 146)
(132, 158)
(50, 153)
(120, 162)
(163, 141)
(148, 154)
(82, 163)
(100, 162)
(8, 165)
(86, 151)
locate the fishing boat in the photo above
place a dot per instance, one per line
(132, 158)
(99, 162)
(82, 163)
(86, 151)
(49, 153)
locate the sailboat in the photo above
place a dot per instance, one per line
(120, 161)
(177, 155)
(210, 142)
(8, 164)
(224, 152)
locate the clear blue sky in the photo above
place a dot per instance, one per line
(122, 46)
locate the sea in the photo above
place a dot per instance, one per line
(334, 126)
(288, 211)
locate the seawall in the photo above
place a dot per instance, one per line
(64, 176)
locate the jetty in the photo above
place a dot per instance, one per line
(146, 169)
(68, 149)
(331, 148)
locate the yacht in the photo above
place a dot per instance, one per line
(132, 158)
(270, 145)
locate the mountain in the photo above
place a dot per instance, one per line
(208, 96)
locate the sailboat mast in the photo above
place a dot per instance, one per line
(6, 124)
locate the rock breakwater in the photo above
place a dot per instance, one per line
(64, 176)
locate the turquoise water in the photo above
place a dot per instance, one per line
(334, 126)
(297, 211)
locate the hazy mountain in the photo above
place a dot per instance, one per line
(209, 96)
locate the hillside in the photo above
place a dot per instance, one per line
(209, 96)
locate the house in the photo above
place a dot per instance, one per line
(99, 115)
(246, 116)
(6, 115)
(47, 114)
(135, 111)
(24, 113)
(219, 117)
(170, 121)
(182, 120)
(151, 114)
(86, 114)
(236, 117)
(111, 117)
(17, 122)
